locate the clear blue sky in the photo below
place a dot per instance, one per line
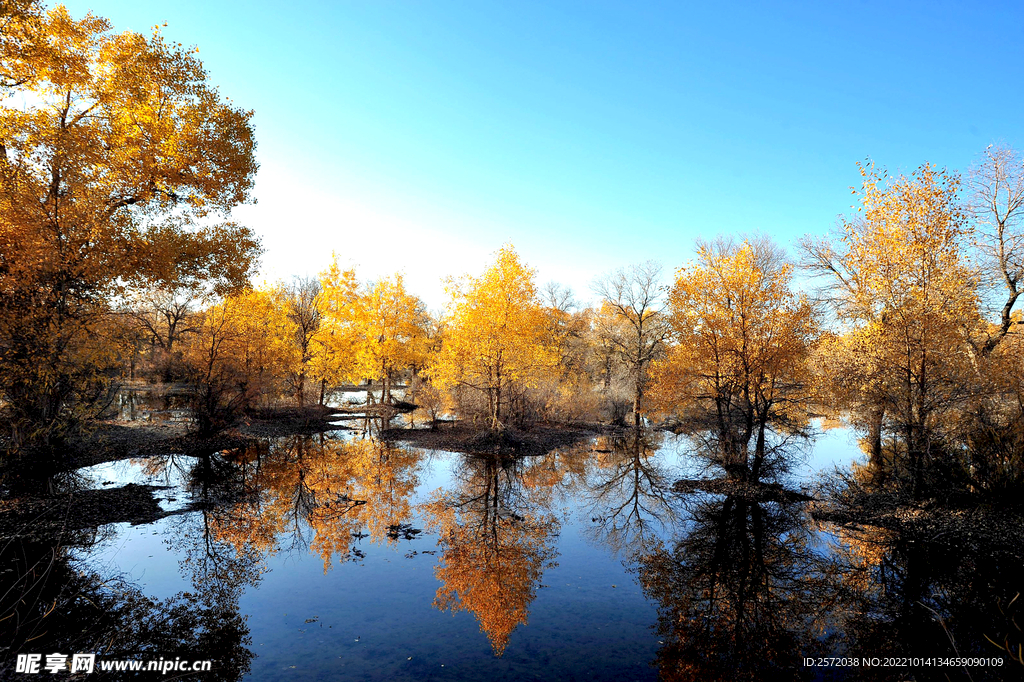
(422, 135)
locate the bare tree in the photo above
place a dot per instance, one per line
(996, 202)
(559, 297)
(304, 310)
(635, 325)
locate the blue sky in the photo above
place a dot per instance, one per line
(421, 136)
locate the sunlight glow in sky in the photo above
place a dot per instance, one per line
(421, 136)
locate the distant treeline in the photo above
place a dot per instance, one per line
(119, 156)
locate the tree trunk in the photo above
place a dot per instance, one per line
(878, 473)
(759, 451)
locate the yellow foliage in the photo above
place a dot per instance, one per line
(390, 325)
(369, 332)
(102, 135)
(907, 255)
(334, 349)
(902, 277)
(741, 339)
(497, 334)
(241, 351)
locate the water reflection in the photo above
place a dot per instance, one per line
(305, 491)
(51, 605)
(497, 540)
(741, 594)
(745, 584)
(627, 491)
(169, 405)
(932, 589)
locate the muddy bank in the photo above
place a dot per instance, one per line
(273, 422)
(927, 520)
(749, 490)
(62, 516)
(112, 440)
(538, 440)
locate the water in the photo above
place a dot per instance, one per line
(339, 556)
(537, 583)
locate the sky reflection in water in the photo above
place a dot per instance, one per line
(533, 553)
(351, 558)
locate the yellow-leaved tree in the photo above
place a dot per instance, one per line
(333, 349)
(390, 327)
(243, 350)
(103, 137)
(737, 371)
(496, 335)
(900, 275)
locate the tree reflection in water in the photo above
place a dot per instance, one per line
(741, 593)
(55, 606)
(627, 492)
(920, 591)
(749, 588)
(745, 587)
(320, 492)
(496, 540)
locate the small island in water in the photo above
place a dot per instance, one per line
(766, 466)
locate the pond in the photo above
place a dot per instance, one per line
(345, 556)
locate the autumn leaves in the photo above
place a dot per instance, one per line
(120, 157)
(897, 340)
(113, 149)
(736, 371)
(919, 368)
(498, 336)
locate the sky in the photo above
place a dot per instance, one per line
(420, 136)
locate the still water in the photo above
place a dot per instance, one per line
(352, 558)
(342, 556)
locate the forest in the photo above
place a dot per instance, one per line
(121, 271)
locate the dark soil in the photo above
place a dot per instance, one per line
(379, 410)
(749, 490)
(113, 440)
(289, 421)
(927, 520)
(62, 515)
(458, 437)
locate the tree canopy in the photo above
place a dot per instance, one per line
(115, 153)
(497, 334)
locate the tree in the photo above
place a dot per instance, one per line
(241, 351)
(183, 270)
(737, 372)
(635, 326)
(901, 277)
(390, 325)
(305, 310)
(110, 134)
(996, 202)
(334, 348)
(496, 334)
(568, 393)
